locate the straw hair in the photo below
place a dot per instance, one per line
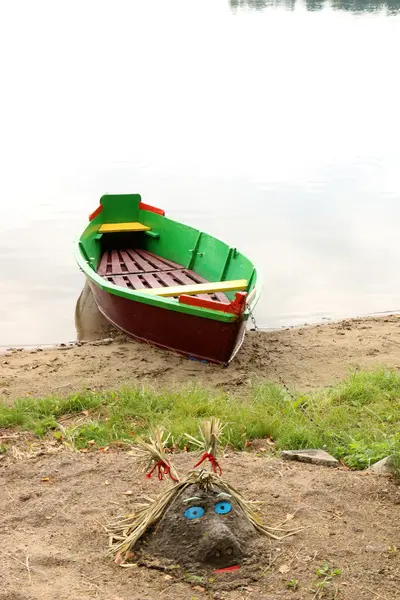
(124, 533)
(210, 434)
(152, 453)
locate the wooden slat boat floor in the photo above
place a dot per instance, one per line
(117, 262)
(138, 269)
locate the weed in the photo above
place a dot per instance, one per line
(325, 575)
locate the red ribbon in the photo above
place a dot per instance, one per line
(227, 569)
(162, 469)
(215, 464)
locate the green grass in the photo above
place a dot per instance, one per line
(357, 420)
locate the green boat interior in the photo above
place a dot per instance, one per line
(133, 246)
(138, 269)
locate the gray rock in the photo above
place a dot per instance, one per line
(383, 467)
(103, 342)
(317, 457)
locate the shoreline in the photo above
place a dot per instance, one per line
(305, 358)
(113, 333)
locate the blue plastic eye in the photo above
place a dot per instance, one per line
(222, 508)
(194, 512)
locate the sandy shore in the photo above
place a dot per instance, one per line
(304, 358)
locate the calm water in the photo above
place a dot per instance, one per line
(272, 124)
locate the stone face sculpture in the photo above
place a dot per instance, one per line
(205, 527)
(199, 521)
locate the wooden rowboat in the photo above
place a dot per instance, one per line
(163, 282)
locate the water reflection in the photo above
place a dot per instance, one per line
(260, 4)
(89, 322)
(356, 6)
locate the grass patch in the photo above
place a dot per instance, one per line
(357, 420)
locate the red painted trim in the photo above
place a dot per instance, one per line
(227, 569)
(236, 307)
(203, 303)
(158, 211)
(239, 303)
(96, 212)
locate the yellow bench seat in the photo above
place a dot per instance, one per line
(117, 227)
(198, 288)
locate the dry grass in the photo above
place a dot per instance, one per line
(152, 455)
(210, 435)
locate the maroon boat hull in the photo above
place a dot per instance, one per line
(195, 337)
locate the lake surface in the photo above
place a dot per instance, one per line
(271, 124)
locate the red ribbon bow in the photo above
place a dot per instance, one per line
(162, 469)
(215, 464)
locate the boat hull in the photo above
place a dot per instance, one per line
(196, 337)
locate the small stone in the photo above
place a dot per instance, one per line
(25, 497)
(104, 342)
(284, 569)
(383, 467)
(314, 456)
